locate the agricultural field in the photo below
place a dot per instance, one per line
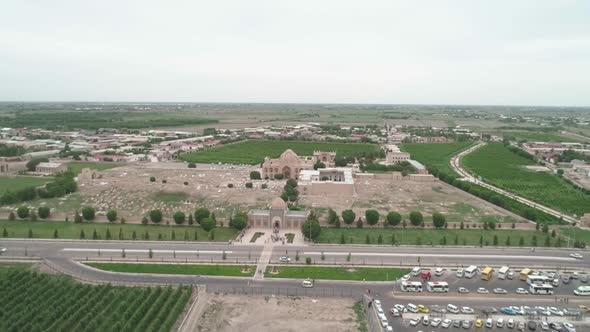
(410, 236)
(77, 167)
(532, 136)
(70, 230)
(40, 302)
(21, 182)
(500, 167)
(253, 152)
(188, 269)
(437, 155)
(335, 273)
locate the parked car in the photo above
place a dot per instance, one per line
(520, 326)
(415, 321)
(462, 290)
(394, 312)
(446, 323)
(439, 271)
(510, 275)
(425, 320)
(423, 309)
(544, 326)
(406, 277)
(532, 325)
(285, 259)
(400, 307)
(452, 308)
(584, 278)
(555, 311)
(500, 322)
(584, 308)
(500, 291)
(508, 311)
(510, 323)
(467, 310)
(478, 323)
(569, 327)
(482, 290)
(457, 323)
(412, 307)
(521, 290)
(489, 323)
(556, 326)
(435, 322)
(543, 311)
(466, 324)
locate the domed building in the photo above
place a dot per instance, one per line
(289, 164)
(277, 216)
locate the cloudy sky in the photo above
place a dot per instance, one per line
(449, 52)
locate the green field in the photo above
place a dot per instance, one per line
(21, 182)
(335, 273)
(577, 234)
(469, 237)
(538, 136)
(41, 302)
(499, 166)
(436, 155)
(253, 152)
(70, 230)
(77, 167)
(190, 269)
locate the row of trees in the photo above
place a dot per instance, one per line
(62, 185)
(393, 218)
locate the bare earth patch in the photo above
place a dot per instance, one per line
(226, 313)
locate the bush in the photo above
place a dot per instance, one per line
(416, 218)
(112, 215)
(255, 175)
(33, 216)
(264, 186)
(11, 216)
(192, 165)
(152, 179)
(144, 220)
(43, 212)
(230, 185)
(249, 185)
(156, 216)
(201, 213)
(332, 217)
(372, 217)
(22, 212)
(77, 218)
(278, 176)
(179, 217)
(311, 228)
(348, 216)
(208, 224)
(164, 181)
(438, 219)
(308, 260)
(393, 218)
(185, 183)
(88, 213)
(239, 221)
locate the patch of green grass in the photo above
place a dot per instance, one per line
(503, 168)
(77, 167)
(361, 317)
(170, 197)
(254, 152)
(21, 182)
(70, 230)
(411, 236)
(335, 273)
(256, 236)
(290, 237)
(434, 154)
(576, 234)
(463, 208)
(539, 136)
(190, 269)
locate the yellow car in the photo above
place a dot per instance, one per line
(423, 309)
(478, 323)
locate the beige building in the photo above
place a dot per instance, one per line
(277, 216)
(393, 155)
(326, 182)
(51, 168)
(326, 158)
(289, 164)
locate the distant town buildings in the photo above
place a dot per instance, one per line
(326, 182)
(393, 155)
(51, 168)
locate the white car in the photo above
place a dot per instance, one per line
(399, 307)
(463, 290)
(467, 310)
(2, 249)
(394, 312)
(377, 302)
(521, 290)
(555, 311)
(576, 255)
(435, 322)
(510, 275)
(415, 321)
(379, 309)
(285, 259)
(446, 323)
(543, 311)
(406, 277)
(499, 291)
(482, 290)
(439, 271)
(569, 327)
(544, 326)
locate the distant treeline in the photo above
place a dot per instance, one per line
(11, 151)
(62, 185)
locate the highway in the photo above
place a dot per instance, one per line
(457, 167)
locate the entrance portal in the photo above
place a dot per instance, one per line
(276, 224)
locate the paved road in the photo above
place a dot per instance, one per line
(457, 167)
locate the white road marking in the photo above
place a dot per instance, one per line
(159, 251)
(377, 254)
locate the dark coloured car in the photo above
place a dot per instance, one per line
(457, 323)
(532, 325)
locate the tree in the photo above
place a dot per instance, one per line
(11, 216)
(495, 241)
(192, 165)
(393, 218)
(416, 218)
(319, 164)
(438, 219)
(560, 172)
(22, 212)
(4, 232)
(179, 217)
(156, 216)
(332, 217)
(359, 223)
(553, 233)
(108, 234)
(112, 215)
(368, 239)
(201, 213)
(548, 241)
(77, 218)
(32, 164)
(43, 212)
(190, 219)
(481, 240)
(30, 234)
(144, 220)
(207, 224)
(249, 185)
(134, 235)
(372, 217)
(240, 221)
(342, 240)
(462, 225)
(88, 213)
(255, 175)
(534, 241)
(348, 216)
(82, 235)
(545, 228)
(308, 260)
(311, 228)
(521, 241)
(492, 224)
(379, 239)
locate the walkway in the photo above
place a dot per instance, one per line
(263, 261)
(457, 167)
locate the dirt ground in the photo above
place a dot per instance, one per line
(227, 313)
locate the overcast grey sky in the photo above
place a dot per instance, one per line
(449, 52)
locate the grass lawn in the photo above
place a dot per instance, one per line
(191, 269)
(77, 167)
(576, 234)
(499, 166)
(170, 197)
(409, 236)
(434, 154)
(253, 152)
(70, 230)
(335, 273)
(21, 182)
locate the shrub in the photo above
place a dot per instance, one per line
(43, 212)
(248, 184)
(255, 175)
(22, 212)
(152, 179)
(372, 217)
(416, 218)
(88, 213)
(77, 218)
(11, 216)
(208, 224)
(112, 215)
(144, 220)
(308, 260)
(185, 183)
(393, 218)
(201, 213)
(164, 181)
(192, 165)
(230, 185)
(264, 186)
(311, 228)
(179, 217)
(278, 176)
(438, 220)
(348, 216)
(156, 216)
